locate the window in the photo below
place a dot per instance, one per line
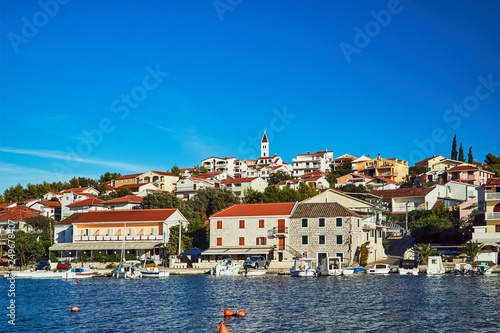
(242, 240)
(321, 239)
(305, 240)
(261, 223)
(497, 228)
(321, 222)
(304, 223)
(339, 221)
(261, 241)
(219, 224)
(242, 224)
(358, 223)
(341, 255)
(339, 239)
(219, 241)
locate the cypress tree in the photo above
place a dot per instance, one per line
(461, 156)
(471, 159)
(454, 148)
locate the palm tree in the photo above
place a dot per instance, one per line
(472, 249)
(424, 251)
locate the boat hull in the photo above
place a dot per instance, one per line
(35, 275)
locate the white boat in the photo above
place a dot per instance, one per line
(227, 267)
(152, 272)
(302, 267)
(330, 266)
(78, 273)
(408, 267)
(380, 269)
(463, 268)
(435, 266)
(348, 272)
(483, 269)
(126, 271)
(34, 274)
(255, 272)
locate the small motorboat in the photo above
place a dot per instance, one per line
(483, 269)
(302, 267)
(254, 272)
(353, 270)
(34, 274)
(408, 267)
(435, 266)
(380, 269)
(227, 267)
(330, 266)
(78, 273)
(126, 271)
(463, 268)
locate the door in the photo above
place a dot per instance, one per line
(281, 243)
(321, 256)
(281, 226)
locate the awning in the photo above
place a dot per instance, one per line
(85, 246)
(237, 250)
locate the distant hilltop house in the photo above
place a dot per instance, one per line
(316, 179)
(307, 163)
(164, 181)
(389, 168)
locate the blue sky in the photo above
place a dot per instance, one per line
(122, 86)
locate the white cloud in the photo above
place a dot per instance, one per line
(60, 155)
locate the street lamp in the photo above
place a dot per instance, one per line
(406, 231)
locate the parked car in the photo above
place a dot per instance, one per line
(63, 265)
(42, 265)
(256, 262)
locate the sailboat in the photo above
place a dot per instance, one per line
(151, 272)
(125, 270)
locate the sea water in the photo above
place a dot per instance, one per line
(195, 303)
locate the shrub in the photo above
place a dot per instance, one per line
(363, 257)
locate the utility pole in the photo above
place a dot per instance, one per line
(406, 231)
(180, 235)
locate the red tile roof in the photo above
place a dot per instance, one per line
(75, 190)
(18, 213)
(28, 200)
(290, 181)
(263, 209)
(128, 215)
(387, 180)
(86, 202)
(462, 168)
(313, 174)
(426, 159)
(51, 203)
(208, 174)
(238, 180)
(70, 219)
(492, 182)
(403, 192)
(128, 198)
(132, 185)
(316, 153)
(264, 138)
(129, 176)
(6, 204)
(164, 173)
(187, 169)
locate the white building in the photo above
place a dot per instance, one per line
(187, 188)
(239, 185)
(306, 163)
(127, 202)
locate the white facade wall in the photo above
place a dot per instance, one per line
(306, 163)
(63, 233)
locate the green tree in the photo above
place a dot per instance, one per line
(197, 170)
(424, 251)
(41, 224)
(172, 246)
(278, 176)
(430, 229)
(454, 152)
(343, 169)
(109, 176)
(470, 157)
(461, 156)
(472, 249)
(351, 188)
(176, 170)
(29, 246)
(123, 192)
(493, 164)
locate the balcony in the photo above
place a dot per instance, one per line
(118, 238)
(277, 232)
(493, 196)
(493, 216)
(369, 226)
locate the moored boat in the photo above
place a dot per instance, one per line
(330, 266)
(34, 274)
(227, 267)
(435, 266)
(78, 273)
(126, 271)
(302, 267)
(408, 267)
(380, 269)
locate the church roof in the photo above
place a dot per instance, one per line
(264, 138)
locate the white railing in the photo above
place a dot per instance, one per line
(369, 225)
(492, 216)
(493, 196)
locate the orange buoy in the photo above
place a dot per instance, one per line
(228, 312)
(223, 328)
(75, 309)
(240, 313)
(77, 281)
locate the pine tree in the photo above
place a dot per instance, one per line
(461, 156)
(454, 148)
(471, 159)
